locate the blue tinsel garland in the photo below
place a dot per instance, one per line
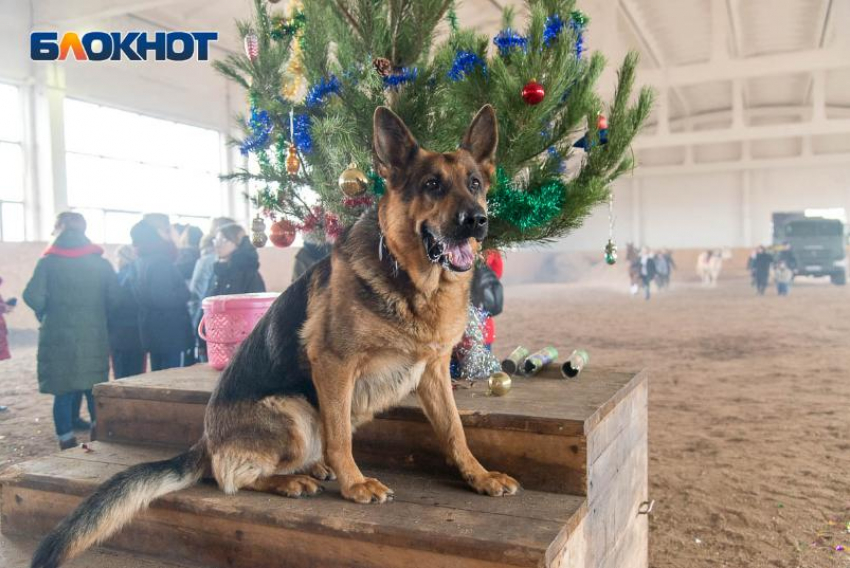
(400, 77)
(465, 63)
(260, 125)
(554, 25)
(577, 25)
(508, 39)
(317, 94)
(302, 138)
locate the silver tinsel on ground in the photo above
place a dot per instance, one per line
(475, 360)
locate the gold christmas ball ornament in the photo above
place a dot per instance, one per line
(353, 181)
(293, 164)
(499, 383)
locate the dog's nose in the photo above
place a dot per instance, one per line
(472, 219)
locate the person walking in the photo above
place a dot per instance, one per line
(762, 262)
(71, 292)
(647, 270)
(237, 270)
(201, 283)
(125, 340)
(189, 251)
(162, 297)
(5, 308)
(783, 276)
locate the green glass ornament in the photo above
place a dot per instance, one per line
(611, 252)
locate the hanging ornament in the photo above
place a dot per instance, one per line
(258, 232)
(383, 66)
(352, 181)
(611, 246)
(533, 93)
(282, 233)
(293, 164)
(252, 46)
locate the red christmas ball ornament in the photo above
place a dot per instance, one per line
(282, 233)
(601, 122)
(533, 92)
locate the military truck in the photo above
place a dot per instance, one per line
(817, 245)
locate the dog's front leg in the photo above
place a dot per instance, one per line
(335, 386)
(435, 394)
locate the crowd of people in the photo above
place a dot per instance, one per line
(148, 310)
(647, 266)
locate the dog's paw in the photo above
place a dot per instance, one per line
(294, 486)
(370, 490)
(321, 471)
(495, 484)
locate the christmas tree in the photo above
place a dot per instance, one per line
(315, 74)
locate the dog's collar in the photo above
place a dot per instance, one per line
(384, 251)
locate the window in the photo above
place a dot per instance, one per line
(11, 165)
(121, 165)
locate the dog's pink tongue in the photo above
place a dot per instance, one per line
(462, 255)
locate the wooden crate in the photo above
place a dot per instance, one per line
(433, 522)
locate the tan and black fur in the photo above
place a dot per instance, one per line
(358, 332)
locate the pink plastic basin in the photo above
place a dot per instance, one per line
(227, 322)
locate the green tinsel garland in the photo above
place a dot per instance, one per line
(377, 183)
(287, 27)
(525, 209)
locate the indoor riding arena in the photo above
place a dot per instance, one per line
(450, 283)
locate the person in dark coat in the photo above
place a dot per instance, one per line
(647, 270)
(189, 251)
(125, 340)
(71, 291)
(162, 296)
(238, 268)
(761, 269)
(311, 253)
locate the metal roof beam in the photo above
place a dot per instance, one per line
(718, 136)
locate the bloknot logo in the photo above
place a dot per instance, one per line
(120, 46)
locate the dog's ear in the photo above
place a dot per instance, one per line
(394, 145)
(482, 137)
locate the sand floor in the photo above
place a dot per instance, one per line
(749, 411)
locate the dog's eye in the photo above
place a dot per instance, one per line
(475, 184)
(433, 185)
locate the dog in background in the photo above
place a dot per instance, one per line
(352, 337)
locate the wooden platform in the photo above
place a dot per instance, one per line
(432, 522)
(579, 447)
(539, 432)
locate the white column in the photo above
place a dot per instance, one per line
(746, 209)
(47, 186)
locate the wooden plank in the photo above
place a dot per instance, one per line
(542, 404)
(429, 516)
(142, 421)
(557, 464)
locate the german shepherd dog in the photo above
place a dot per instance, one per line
(352, 337)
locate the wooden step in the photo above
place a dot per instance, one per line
(546, 431)
(433, 522)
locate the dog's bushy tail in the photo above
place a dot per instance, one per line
(116, 502)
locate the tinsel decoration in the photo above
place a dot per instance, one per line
(285, 28)
(260, 126)
(400, 77)
(465, 63)
(507, 39)
(533, 93)
(476, 361)
(252, 46)
(578, 22)
(553, 27)
(318, 218)
(300, 133)
(317, 94)
(360, 201)
(258, 232)
(383, 66)
(283, 233)
(525, 209)
(379, 186)
(556, 157)
(333, 227)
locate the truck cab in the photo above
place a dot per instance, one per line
(816, 245)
